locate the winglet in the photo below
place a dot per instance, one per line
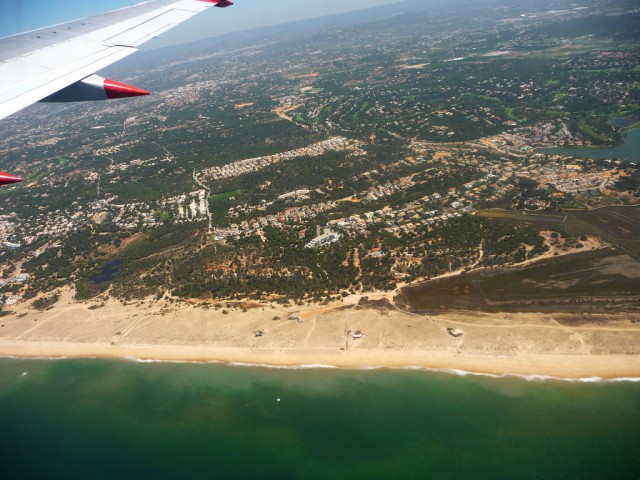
(219, 3)
(115, 89)
(95, 87)
(7, 178)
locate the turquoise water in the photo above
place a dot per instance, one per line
(116, 419)
(629, 150)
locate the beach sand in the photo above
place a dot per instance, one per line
(555, 345)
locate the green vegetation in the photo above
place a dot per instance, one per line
(591, 133)
(400, 201)
(281, 265)
(571, 283)
(45, 303)
(228, 194)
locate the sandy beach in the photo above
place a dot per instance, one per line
(556, 345)
(543, 365)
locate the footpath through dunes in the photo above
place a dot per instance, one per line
(374, 333)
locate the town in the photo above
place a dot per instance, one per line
(365, 147)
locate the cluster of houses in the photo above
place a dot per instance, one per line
(12, 299)
(21, 278)
(323, 240)
(241, 167)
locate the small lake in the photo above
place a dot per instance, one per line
(629, 150)
(622, 122)
(109, 271)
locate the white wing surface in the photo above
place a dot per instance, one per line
(35, 65)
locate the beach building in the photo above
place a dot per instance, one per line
(455, 332)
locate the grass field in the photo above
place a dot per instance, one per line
(231, 193)
(535, 222)
(498, 213)
(587, 281)
(619, 226)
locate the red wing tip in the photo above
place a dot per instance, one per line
(219, 3)
(116, 89)
(7, 178)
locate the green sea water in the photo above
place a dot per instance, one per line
(95, 419)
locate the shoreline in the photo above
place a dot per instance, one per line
(529, 366)
(557, 345)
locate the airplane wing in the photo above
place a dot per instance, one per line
(58, 63)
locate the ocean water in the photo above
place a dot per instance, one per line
(97, 419)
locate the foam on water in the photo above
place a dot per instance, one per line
(450, 371)
(320, 366)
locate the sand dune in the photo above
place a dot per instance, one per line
(561, 345)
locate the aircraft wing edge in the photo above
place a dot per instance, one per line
(35, 89)
(68, 53)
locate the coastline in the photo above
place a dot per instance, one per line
(542, 366)
(569, 346)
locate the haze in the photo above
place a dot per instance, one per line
(17, 16)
